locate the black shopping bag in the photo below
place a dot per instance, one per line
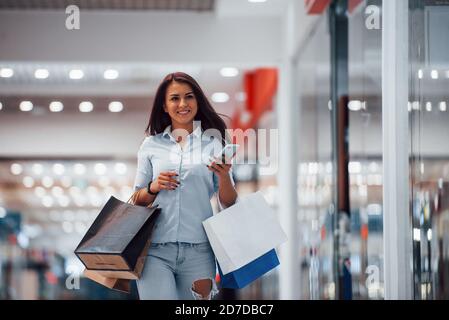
(116, 243)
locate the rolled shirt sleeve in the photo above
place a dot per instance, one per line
(144, 172)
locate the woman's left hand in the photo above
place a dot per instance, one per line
(220, 169)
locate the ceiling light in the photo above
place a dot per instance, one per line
(416, 234)
(220, 97)
(26, 106)
(229, 72)
(86, 106)
(67, 227)
(80, 200)
(429, 106)
(120, 168)
(354, 167)
(57, 191)
(443, 106)
(38, 168)
(40, 192)
(47, 182)
(355, 105)
(58, 169)
(1, 106)
(6, 72)
(420, 74)
(75, 191)
(373, 167)
(47, 201)
(110, 74)
(63, 201)
(41, 74)
(66, 181)
(76, 74)
(115, 106)
(28, 182)
(257, 1)
(16, 169)
(313, 167)
(434, 74)
(79, 169)
(56, 106)
(364, 105)
(100, 169)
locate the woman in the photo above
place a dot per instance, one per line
(171, 173)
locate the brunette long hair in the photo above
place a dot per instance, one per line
(159, 119)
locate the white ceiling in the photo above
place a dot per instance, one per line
(175, 5)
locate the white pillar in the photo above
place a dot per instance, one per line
(288, 117)
(397, 222)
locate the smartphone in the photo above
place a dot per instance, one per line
(227, 153)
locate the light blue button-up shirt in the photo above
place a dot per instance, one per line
(184, 209)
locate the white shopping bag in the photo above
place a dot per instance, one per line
(243, 232)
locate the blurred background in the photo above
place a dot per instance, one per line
(74, 104)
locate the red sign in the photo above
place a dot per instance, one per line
(353, 4)
(260, 88)
(319, 6)
(316, 6)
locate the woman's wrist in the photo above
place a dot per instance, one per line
(150, 189)
(224, 178)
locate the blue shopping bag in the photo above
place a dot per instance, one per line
(240, 278)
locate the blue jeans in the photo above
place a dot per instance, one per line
(171, 268)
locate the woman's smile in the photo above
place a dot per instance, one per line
(184, 112)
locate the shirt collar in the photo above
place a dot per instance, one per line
(196, 132)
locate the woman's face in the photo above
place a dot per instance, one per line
(180, 103)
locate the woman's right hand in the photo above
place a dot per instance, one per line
(165, 181)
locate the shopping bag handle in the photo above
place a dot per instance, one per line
(132, 197)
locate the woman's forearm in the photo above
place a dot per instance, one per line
(226, 192)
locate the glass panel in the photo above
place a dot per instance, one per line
(365, 150)
(429, 149)
(315, 166)
(316, 186)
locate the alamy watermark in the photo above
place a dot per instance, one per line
(256, 147)
(72, 282)
(72, 21)
(372, 20)
(373, 279)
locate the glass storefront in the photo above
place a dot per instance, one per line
(429, 148)
(360, 230)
